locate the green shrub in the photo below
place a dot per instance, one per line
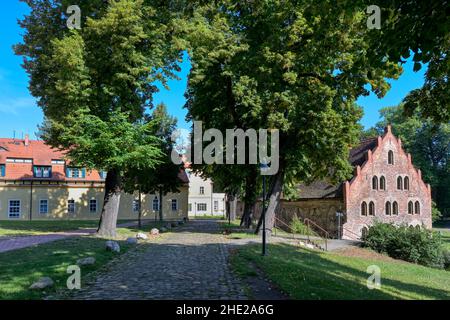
(297, 226)
(415, 245)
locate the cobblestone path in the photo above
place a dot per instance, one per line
(188, 264)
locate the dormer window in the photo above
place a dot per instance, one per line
(42, 172)
(390, 157)
(2, 170)
(73, 172)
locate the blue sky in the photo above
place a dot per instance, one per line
(19, 113)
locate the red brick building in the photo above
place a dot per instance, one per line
(385, 187)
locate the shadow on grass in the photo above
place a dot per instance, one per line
(306, 274)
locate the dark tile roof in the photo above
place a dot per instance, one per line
(322, 189)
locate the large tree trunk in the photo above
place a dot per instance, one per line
(108, 219)
(273, 197)
(249, 197)
(231, 207)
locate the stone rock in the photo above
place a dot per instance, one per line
(112, 246)
(154, 232)
(42, 283)
(132, 240)
(141, 236)
(86, 261)
(310, 246)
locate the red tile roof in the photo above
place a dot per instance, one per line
(42, 155)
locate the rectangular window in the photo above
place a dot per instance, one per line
(14, 209)
(155, 204)
(103, 175)
(2, 170)
(174, 205)
(58, 162)
(201, 206)
(216, 205)
(19, 160)
(136, 205)
(190, 207)
(202, 190)
(71, 206)
(42, 172)
(93, 205)
(75, 172)
(43, 206)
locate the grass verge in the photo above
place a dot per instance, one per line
(308, 274)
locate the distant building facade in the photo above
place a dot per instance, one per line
(37, 183)
(385, 187)
(202, 198)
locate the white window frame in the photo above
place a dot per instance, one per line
(90, 205)
(216, 205)
(155, 201)
(174, 201)
(14, 215)
(40, 206)
(199, 205)
(135, 206)
(69, 205)
(202, 190)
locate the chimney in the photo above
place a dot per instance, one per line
(27, 140)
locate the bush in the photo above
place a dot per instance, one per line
(298, 226)
(406, 243)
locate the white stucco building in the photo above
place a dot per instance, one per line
(202, 199)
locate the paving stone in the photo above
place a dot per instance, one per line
(188, 264)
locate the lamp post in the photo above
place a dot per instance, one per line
(339, 216)
(263, 167)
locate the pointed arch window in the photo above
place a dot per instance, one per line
(395, 208)
(390, 157)
(417, 207)
(371, 208)
(387, 209)
(406, 183)
(382, 183)
(375, 183)
(399, 183)
(410, 207)
(364, 208)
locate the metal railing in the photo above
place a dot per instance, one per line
(352, 234)
(326, 234)
(309, 231)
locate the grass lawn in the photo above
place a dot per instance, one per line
(207, 216)
(21, 228)
(20, 268)
(235, 230)
(446, 239)
(307, 274)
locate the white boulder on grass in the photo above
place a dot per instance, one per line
(141, 236)
(42, 283)
(112, 246)
(86, 261)
(154, 232)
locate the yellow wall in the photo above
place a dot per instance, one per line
(58, 196)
